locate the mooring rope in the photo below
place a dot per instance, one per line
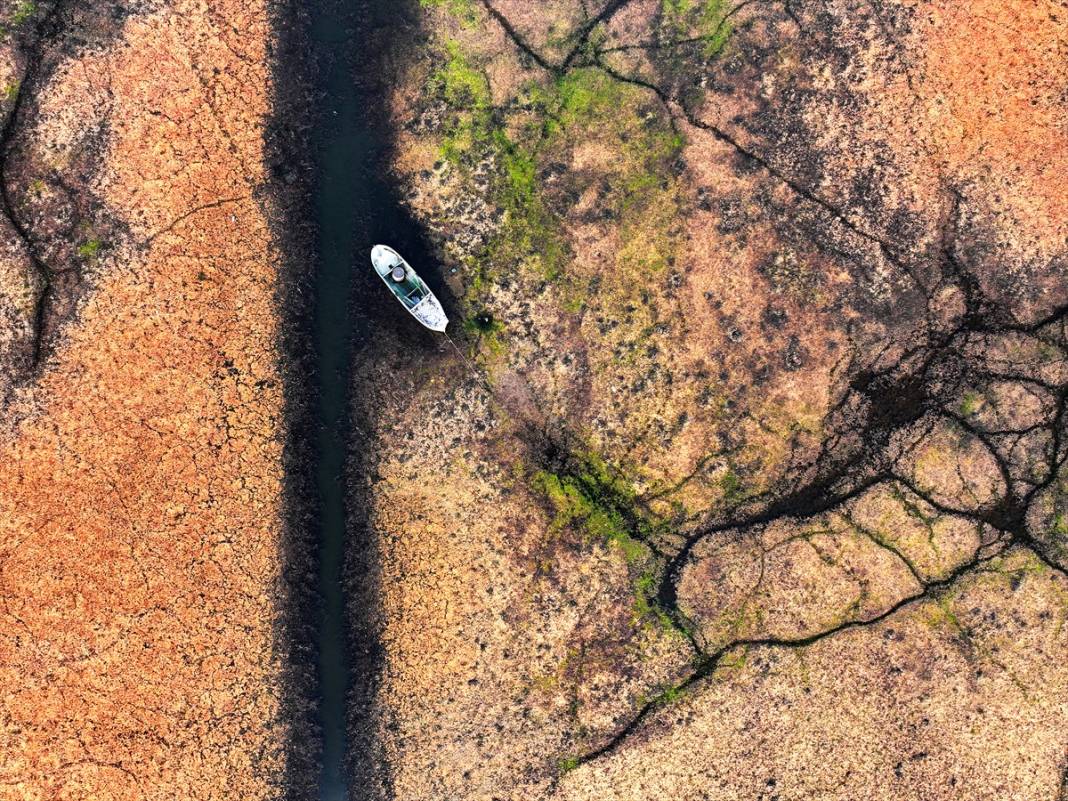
(470, 365)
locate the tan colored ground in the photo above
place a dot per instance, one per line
(962, 698)
(757, 488)
(765, 497)
(140, 468)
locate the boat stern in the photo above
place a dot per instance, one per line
(430, 314)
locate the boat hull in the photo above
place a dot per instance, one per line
(409, 289)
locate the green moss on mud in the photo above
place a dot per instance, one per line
(733, 662)
(595, 499)
(645, 605)
(540, 128)
(90, 249)
(568, 764)
(466, 11)
(664, 695)
(1060, 524)
(588, 105)
(706, 21)
(576, 502)
(531, 234)
(23, 13)
(488, 331)
(970, 403)
(474, 132)
(466, 92)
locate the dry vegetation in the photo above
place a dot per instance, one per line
(765, 497)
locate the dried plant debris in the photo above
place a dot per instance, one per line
(764, 496)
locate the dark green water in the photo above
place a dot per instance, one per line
(341, 147)
(354, 207)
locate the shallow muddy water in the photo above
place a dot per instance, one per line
(355, 207)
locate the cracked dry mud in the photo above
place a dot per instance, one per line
(140, 507)
(755, 486)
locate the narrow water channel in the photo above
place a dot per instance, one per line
(338, 156)
(354, 206)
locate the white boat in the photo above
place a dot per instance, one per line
(410, 289)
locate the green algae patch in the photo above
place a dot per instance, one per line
(474, 132)
(598, 518)
(664, 695)
(531, 234)
(970, 404)
(90, 249)
(567, 764)
(640, 192)
(466, 92)
(647, 609)
(594, 499)
(488, 332)
(465, 11)
(538, 130)
(707, 23)
(600, 505)
(597, 496)
(23, 13)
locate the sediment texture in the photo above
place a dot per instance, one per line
(140, 465)
(758, 487)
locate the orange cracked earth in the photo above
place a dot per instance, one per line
(140, 500)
